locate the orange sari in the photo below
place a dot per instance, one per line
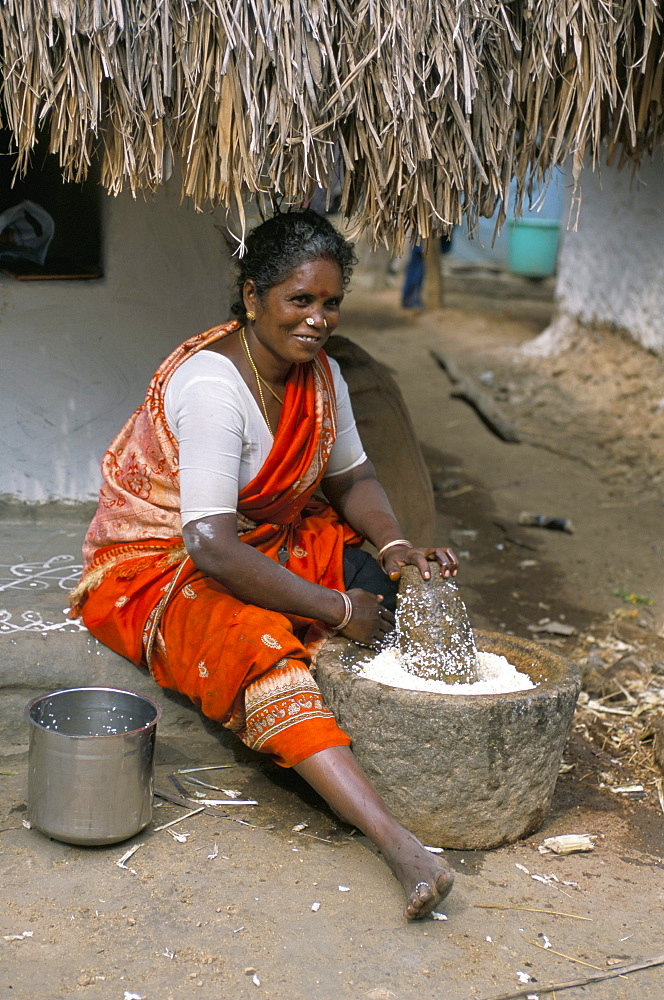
(142, 596)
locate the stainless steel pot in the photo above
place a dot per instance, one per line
(91, 764)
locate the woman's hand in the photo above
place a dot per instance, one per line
(370, 621)
(404, 555)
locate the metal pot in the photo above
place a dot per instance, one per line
(91, 764)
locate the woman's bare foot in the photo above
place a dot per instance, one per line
(426, 880)
(336, 775)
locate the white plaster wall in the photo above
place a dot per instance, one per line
(612, 269)
(76, 356)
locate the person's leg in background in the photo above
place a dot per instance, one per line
(411, 295)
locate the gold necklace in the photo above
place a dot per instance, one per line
(271, 390)
(259, 379)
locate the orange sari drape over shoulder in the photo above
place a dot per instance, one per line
(141, 594)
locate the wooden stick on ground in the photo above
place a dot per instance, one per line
(620, 971)
(530, 909)
(176, 800)
(569, 958)
(465, 388)
(166, 826)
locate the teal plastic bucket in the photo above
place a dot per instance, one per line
(533, 247)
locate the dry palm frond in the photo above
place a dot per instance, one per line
(430, 106)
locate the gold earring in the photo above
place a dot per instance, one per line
(251, 316)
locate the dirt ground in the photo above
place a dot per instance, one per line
(228, 912)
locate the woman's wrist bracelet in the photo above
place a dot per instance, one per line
(348, 604)
(391, 545)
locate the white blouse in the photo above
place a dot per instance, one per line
(223, 438)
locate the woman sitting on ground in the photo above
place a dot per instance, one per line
(213, 558)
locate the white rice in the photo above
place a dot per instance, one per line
(496, 675)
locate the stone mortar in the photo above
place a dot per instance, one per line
(470, 772)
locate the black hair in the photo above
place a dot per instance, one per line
(286, 241)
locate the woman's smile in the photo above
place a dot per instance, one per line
(295, 318)
(310, 338)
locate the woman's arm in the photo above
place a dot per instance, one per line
(361, 501)
(216, 550)
(200, 395)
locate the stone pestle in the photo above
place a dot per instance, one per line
(435, 636)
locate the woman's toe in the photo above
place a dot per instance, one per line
(444, 883)
(426, 896)
(422, 900)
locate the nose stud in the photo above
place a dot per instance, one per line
(309, 321)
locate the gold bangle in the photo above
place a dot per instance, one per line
(391, 545)
(348, 604)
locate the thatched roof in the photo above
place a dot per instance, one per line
(431, 105)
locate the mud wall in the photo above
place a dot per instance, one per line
(77, 355)
(612, 269)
